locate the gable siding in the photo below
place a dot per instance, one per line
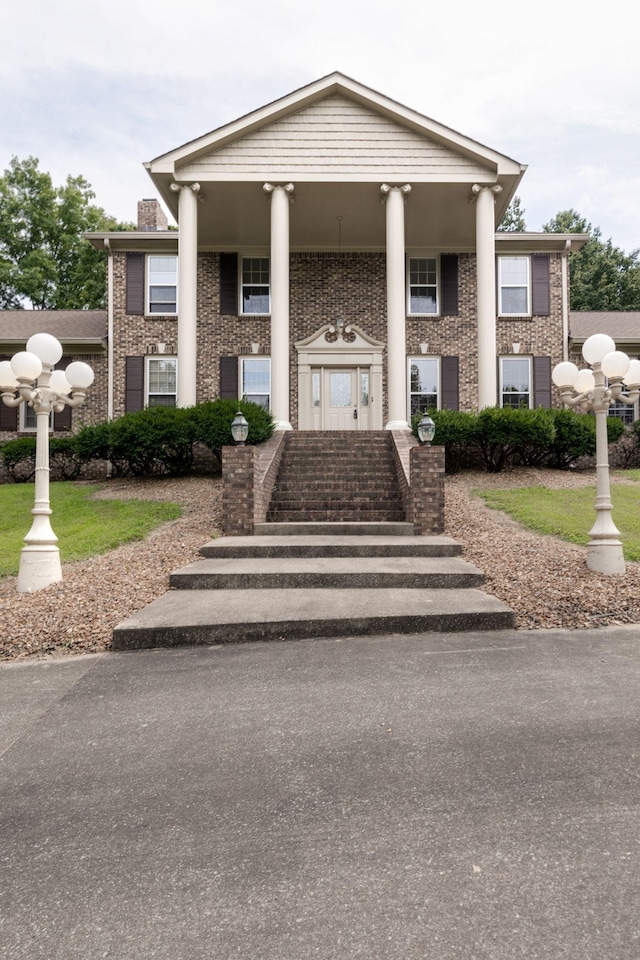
(335, 135)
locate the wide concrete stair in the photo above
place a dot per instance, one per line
(337, 476)
(316, 584)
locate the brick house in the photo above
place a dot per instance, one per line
(337, 260)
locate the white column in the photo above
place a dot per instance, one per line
(187, 291)
(280, 197)
(396, 308)
(486, 293)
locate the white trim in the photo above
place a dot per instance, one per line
(414, 256)
(242, 394)
(159, 358)
(147, 285)
(514, 286)
(517, 358)
(410, 392)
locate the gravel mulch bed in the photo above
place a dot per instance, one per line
(544, 580)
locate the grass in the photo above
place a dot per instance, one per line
(84, 526)
(570, 514)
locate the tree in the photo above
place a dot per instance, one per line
(603, 277)
(513, 220)
(45, 263)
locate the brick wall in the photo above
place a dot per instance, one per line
(427, 490)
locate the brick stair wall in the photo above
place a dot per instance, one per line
(337, 476)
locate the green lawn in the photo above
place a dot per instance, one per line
(84, 527)
(570, 514)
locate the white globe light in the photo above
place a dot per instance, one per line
(7, 376)
(26, 366)
(585, 381)
(46, 347)
(59, 383)
(79, 375)
(632, 376)
(615, 365)
(564, 374)
(595, 348)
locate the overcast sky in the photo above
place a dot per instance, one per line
(96, 88)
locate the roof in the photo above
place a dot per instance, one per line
(623, 325)
(80, 327)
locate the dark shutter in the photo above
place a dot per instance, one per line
(449, 281)
(62, 421)
(540, 299)
(134, 384)
(8, 417)
(542, 381)
(228, 378)
(135, 283)
(449, 368)
(229, 284)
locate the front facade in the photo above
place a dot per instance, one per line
(336, 260)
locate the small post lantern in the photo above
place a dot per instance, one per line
(426, 430)
(239, 429)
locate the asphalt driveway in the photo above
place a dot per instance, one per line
(440, 796)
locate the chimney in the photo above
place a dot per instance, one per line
(151, 216)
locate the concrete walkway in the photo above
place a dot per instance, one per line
(442, 797)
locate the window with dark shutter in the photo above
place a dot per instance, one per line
(449, 282)
(228, 378)
(135, 284)
(229, 284)
(540, 296)
(8, 417)
(450, 376)
(62, 420)
(542, 381)
(134, 384)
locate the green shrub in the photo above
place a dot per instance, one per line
(19, 458)
(213, 421)
(510, 435)
(65, 459)
(156, 440)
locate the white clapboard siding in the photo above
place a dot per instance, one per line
(335, 135)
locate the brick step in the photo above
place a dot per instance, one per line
(336, 503)
(328, 515)
(329, 486)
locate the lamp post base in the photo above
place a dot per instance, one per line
(39, 567)
(605, 557)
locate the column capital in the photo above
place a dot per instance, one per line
(478, 188)
(176, 187)
(287, 187)
(386, 188)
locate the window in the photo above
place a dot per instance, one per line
(424, 376)
(515, 382)
(255, 285)
(162, 287)
(28, 418)
(627, 412)
(161, 381)
(514, 285)
(255, 380)
(423, 286)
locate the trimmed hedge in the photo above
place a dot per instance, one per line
(506, 437)
(159, 440)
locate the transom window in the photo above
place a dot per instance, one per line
(255, 380)
(255, 285)
(162, 284)
(423, 285)
(515, 382)
(514, 285)
(162, 381)
(424, 376)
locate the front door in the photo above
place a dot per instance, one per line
(344, 398)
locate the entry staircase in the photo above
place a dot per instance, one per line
(336, 558)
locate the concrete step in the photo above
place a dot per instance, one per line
(235, 616)
(355, 573)
(323, 545)
(339, 527)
